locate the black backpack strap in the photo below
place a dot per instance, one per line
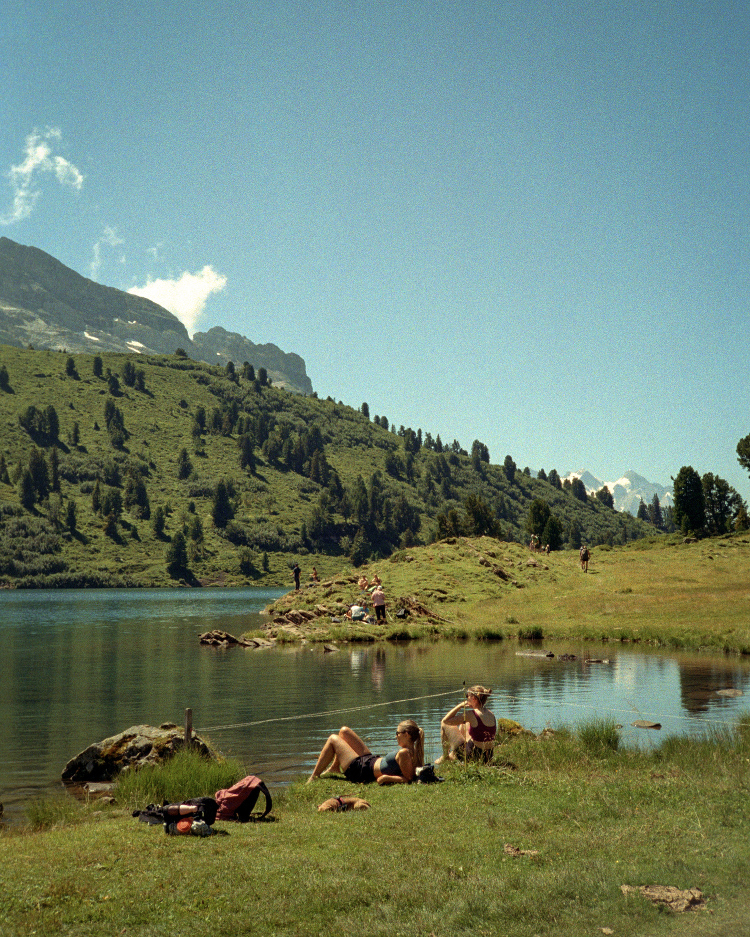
(269, 802)
(244, 813)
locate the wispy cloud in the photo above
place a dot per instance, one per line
(186, 296)
(109, 238)
(39, 158)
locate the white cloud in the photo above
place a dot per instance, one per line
(109, 238)
(38, 159)
(186, 296)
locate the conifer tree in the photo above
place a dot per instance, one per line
(54, 468)
(39, 473)
(552, 534)
(96, 498)
(26, 491)
(71, 516)
(128, 374)
(184, 465)
(654, 513)
(176, 557)
(157, 522)
(689, 504)
(221, 509)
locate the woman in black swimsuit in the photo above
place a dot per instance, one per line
(469, 725)
(345, 751)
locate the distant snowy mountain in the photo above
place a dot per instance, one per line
(627, 491)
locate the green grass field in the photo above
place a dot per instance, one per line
(438, 860)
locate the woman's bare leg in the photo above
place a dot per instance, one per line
(339, 752)
(451, 738)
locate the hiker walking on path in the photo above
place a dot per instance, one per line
(585, 558)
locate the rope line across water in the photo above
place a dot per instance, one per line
(416, 699)
(328, 712)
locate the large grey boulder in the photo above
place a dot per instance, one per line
(136, 746)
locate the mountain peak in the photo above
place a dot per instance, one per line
(628, 490)
(46, 304)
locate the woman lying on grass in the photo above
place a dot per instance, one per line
(346, 752)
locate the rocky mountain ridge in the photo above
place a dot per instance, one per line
(45, 304)
(628, 491)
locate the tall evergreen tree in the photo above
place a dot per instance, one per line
(184, 465)
(539, 514)
(221, 510)
(71, 516)
(128, 373)
(39, 473)
(578, 489)
(54, 469)
(158, 521)
(177, 557)
(689, 504)
(654, 513)
(605, 496)
(26, 490)
(721, 503)
(552, 533)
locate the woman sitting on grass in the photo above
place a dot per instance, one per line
(469, 727)
(346, 752)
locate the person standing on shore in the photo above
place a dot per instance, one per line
(296, 573)
(378, 601)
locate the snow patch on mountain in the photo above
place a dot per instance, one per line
(628, 491)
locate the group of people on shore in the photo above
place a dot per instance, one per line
(466, 730)
(371, 590)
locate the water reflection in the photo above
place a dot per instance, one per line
(80, 666)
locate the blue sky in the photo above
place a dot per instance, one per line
(525, 223)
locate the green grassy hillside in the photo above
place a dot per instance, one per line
(660, 590)
(89, 463)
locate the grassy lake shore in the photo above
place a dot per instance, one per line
(539, 843)
(661, 591)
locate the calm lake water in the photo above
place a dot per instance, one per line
(80, 666)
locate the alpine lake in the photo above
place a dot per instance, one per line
(82, 665)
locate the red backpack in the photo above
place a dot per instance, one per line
(237, 802)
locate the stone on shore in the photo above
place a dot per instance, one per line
(136, 746)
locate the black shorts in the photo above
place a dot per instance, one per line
(362, 769)
(379, 612)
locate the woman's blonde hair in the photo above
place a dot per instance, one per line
(416, 734)
(481, 693)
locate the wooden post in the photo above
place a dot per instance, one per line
(188, 728)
